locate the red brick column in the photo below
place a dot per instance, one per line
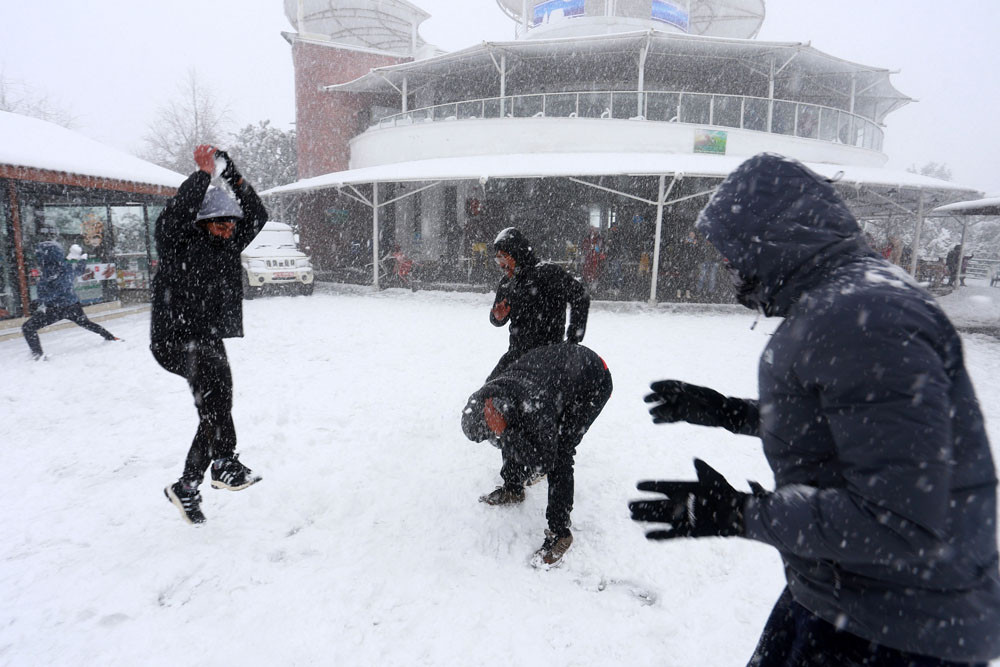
(325, 121)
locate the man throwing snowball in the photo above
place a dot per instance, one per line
(197, 302)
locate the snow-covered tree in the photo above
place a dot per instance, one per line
(22, 98)
(194, 116)
(265, 155)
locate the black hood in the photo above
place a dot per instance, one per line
(515, 244)
(507, 394)
(782, 227)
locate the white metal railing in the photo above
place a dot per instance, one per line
(810, 121)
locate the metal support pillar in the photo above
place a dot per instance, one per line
(15, 221)
(375, 235)
(916, 235)
(656, 243)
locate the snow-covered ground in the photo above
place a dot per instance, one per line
(365, 543)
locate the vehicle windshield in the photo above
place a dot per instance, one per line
(269, 239)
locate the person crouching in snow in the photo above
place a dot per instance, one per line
(537, 411)
(56, 298)
(197, 302)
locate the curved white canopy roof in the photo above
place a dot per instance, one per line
(38, 144)
(799, 62)
(544, 165)
(988, 206)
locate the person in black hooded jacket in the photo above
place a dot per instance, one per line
(537, 411)
(197, 302)
(532, 297)
(885, 508)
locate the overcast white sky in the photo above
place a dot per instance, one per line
(113, 62)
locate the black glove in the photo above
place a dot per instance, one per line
(231, 174)
(706, 508)
(679, 401)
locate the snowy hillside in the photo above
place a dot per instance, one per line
(365, 543)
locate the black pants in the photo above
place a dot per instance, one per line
(577, 417)
(203, 363)
(74, 313)
(794, 637)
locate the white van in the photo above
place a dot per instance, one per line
(273, 260)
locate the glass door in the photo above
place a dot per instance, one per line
(131, 255)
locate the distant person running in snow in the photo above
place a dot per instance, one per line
(56, 298)
(885, 509)
(198, 301)
(537, 411)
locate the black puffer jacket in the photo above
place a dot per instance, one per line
(198, 287)
(885, 508)
(544, 396)
(538, 294)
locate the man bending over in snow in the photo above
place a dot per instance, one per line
(537, 411)
(198, 301)
(885, 509)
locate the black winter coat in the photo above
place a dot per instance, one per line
(198, 287)
(550, 395)
(885, 508)
(538, 295)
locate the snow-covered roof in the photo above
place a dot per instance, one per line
(542, 165)
(988, 206)
(38, 144)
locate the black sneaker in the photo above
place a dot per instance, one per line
(188, 501)
(230, 474)
(504, 495)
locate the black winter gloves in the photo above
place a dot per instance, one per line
(706, 508)
(676, 401)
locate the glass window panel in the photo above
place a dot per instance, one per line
(560, 105)
(726, 110)
(808, 121)
(491, 108)
(595, 105)
(526, 106)
(10, 301)
(446, 111)
(784, 118)
(755, 114)
(828, 124)
(624, 105)
(470, 109)
(131, 261)
(695, 108)
(661, 106)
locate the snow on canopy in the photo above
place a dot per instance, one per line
(554, 164)
(38, 144)
(987, 206)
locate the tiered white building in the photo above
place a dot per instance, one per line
(612, 116)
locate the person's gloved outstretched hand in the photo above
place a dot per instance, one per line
(675, 401)
(204, 157)
(706, 508)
